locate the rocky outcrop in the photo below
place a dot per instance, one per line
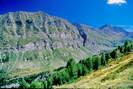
(38, 29)
(42, 37)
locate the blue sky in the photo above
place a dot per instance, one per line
(91, 12)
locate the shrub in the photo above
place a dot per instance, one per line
(24, 84)
(36, 85)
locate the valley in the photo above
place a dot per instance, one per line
(44, 42)
(96, 72)
(32, 43)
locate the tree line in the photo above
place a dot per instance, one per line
(74, 70)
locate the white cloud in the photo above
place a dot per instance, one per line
(117, 2)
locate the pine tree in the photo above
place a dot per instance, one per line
(74, 71)
(45, 84)
(80, 69)
(114, 54)
(88, 63)
(103, 60)
(96, 62)
(50, 82)
(107, 57)
(85, 70)
(24, 84)
(71, 62)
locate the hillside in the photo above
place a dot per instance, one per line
(109, 65)
(118, 75)
(32, 42)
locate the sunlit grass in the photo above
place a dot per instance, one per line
(119, 75)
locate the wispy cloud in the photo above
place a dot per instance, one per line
(117, 2)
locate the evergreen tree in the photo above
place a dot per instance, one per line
(88, 63)
(71, 62)
(45, 84)
(114, 54)
(24, 84)
(36, 85)
(96, 62)
(80, 69)
(103, 60)
(74, 71)
(50, 82)
(121, 49)
(107, 57)
(126, 43)
(85, 70)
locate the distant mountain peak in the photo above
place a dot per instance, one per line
(127, 28)
(105, 26)
(112, 28)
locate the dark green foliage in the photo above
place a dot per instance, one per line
(71, 62)
(80, 69)
(4, 57)
(50, 82)
(96, 61)
(121, 49)
(128, 47)
(84, 70)
(3, 74)
(24, 84)
(45, 84)
(126, 43)
(107, 57)
(103, 60)
(60, 77)
(87, 63)
(36, 85)
(114, 54)
(74, 70)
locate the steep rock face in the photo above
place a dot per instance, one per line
(41, 42)
(38, 28)
(38, 40)
(103, 39)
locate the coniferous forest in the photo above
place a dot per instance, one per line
(74, 70)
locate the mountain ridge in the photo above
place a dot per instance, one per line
(41, 41)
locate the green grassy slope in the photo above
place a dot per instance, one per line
(118, 75)
(36, 61)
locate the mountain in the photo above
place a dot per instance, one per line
(36, 42)
(127, 28)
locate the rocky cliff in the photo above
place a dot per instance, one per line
(38, 41)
